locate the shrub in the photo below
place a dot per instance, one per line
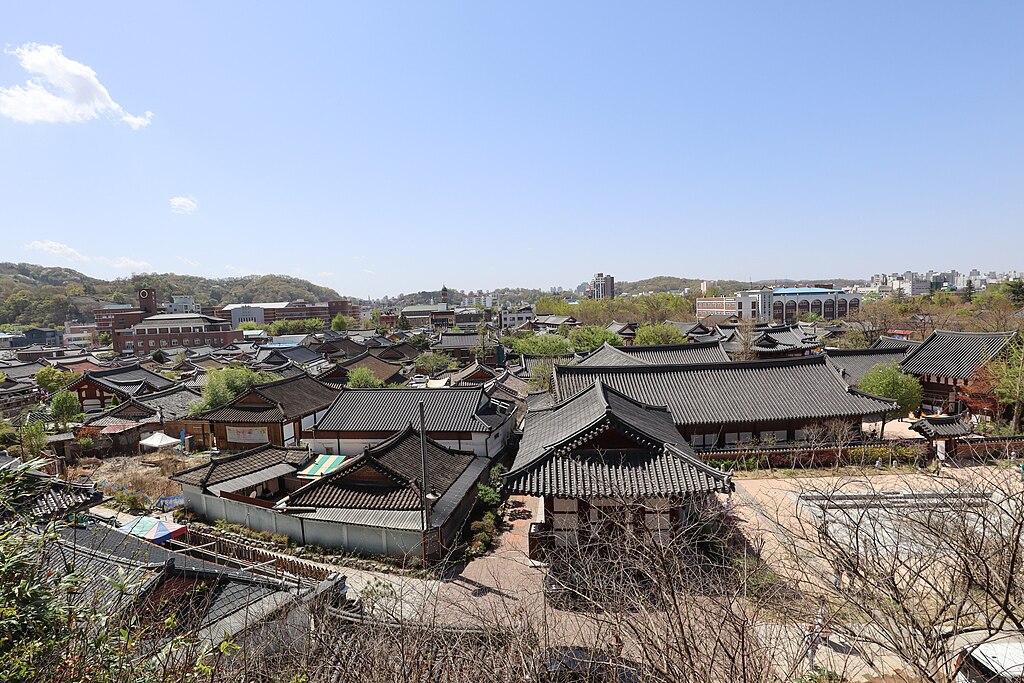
(131, 501)
(488, 496)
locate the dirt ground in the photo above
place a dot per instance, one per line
(146, 473)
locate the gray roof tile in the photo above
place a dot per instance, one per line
(804, 388)
(955, 354)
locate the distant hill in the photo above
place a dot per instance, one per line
(668, 283)
(35, 295)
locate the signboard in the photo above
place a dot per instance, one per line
(247, 434)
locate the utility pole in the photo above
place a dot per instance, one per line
(424, 486)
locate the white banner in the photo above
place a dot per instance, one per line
(247, 434)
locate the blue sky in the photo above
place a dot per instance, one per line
(389, 147)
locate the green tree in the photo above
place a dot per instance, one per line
(35, 605)
(403, 322)
(65, 408)
(889, 381)
(104, 339)
(249, 325)
(33, 438)
(653, 334)
(552, 305)
(1007, 376)
(969, 291)
(305, 326)
(590, 337)
(51, 380)
(420, 342)
(223, 385)
(342, 323)
(539, 345)
(1014, 290)
(433, 362)
(363, 378)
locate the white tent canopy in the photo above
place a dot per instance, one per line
(159, 440)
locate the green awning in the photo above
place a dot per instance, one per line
(322, 466)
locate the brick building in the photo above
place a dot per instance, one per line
(172, 332)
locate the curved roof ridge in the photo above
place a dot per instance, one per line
(697, 462)
(652, 367)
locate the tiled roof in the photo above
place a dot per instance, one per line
(297, 354)
(383, 370)
(554, 320)
(552, 462)
(884, 342)
(392, 410)
(533, 364)
(955, 354)
(855, 363)
(397, 352)
(539, 400)
(125, 381)
(675, 354)
(458, 340)
(769, 340)
(514, 384)
(175, 402)
(464, 377)
(19, 371)
(284, 400)
(395, 481)
(97, 553)
(946, 425)
(10, 387)
(55, 498)
(737, 392)
(223, 468)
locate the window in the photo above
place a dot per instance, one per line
(152, 342)
(746, 437)
(174, 342)
(185, 341)
(198, 341)
(329, 450)
(163, 343)
(731, 438)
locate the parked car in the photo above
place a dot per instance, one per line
(996, 662)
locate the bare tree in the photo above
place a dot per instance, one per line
(906, 565)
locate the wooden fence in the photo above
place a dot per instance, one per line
(203, 545)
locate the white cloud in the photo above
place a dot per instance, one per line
(368, 271)
(186, 205)
(189, 262)
(60, 90)
(69, 253)
(59, 249)
(325, 274)
(125, 263)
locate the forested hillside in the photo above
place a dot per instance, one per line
(40, 295)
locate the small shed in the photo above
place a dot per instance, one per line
(942, 432)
